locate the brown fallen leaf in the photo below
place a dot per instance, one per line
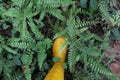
(6, 6)
(117, 42)
(115, 68)
(115, 50)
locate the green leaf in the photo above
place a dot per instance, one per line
(88, 37)
(27, 58)
(48, 43)
(77, 57)
(5, 26)
(23, 29)
(2, 9)
(93, 4)
(18, 2)
(1, 48)
(1, 66)
(9, 49)
(41, 57)
(13, 12)
(83, 3)
(35, 29)
(28, 11)
(116, 33)
(46, 66)
(83, 29)
(56, 59)
(27, 73)
(65, 65)
(57, 14)
(17, 61)
(42, 15)
(1, 69)
(9, 56)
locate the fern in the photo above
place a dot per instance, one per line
(3, 46)
(23, 29)
(95, 66)
(41, 47)
(51, 6)
(18, 2)
(1, 39)
(71, 29)
(17, 75)
(16, 42)
(82, 11)
(21, 45)
(7, 48)
(105, 13)
(117, 18)
(8, 68)
(72, 59)
(25, 40)
(104, 9)
(86, 75)
(27, 57)
(85, 23)
(94, 76)
(35, 30)
(27, 61)
(41, 57)
(13, 12)
(56, 4)
(56, 13)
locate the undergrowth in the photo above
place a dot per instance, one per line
(28, 29)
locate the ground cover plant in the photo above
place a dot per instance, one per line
(28, 29)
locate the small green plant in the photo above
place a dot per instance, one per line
(28, 28)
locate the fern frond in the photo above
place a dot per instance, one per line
(21, 45)
(82, 11)
(8, 68)
(104, 9)
(85, 23)
(95, 66)
(2, 10)
(35, 29)
(12, 12)
(29, 37)
(56, 13)
(18, 2)
(27, 57)
(17, 75)
(1, 48)
(27, 73)
(1, 39)
(105, 13)
(41, 57)
(16, 42)
(23, 29)
(41, 54)
(71, 59)
(7, 48)
(42, 46)
(117, 18)
(71, 29)
(56, 4)
(27, 61)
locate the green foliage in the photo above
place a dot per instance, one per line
(28, 28)
(112, 19)
(42, 45)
